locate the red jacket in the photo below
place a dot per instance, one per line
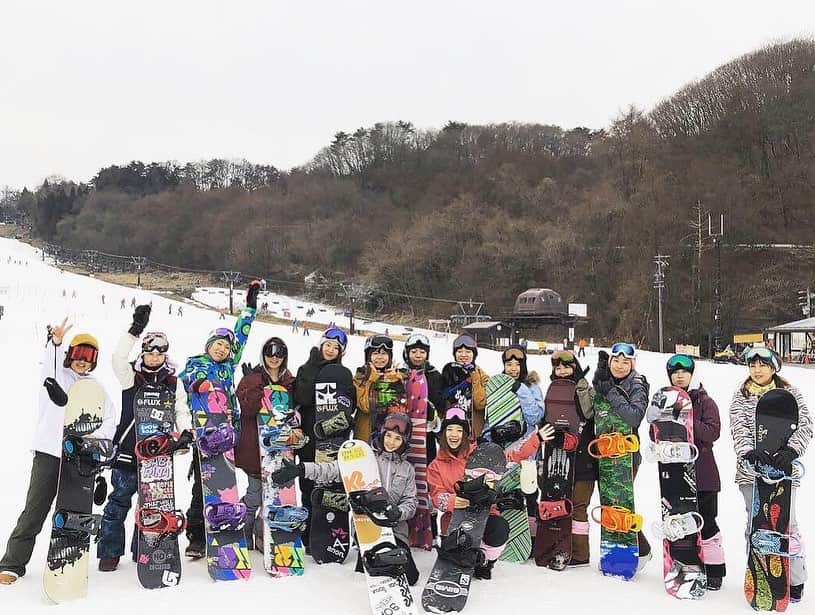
(249, 393)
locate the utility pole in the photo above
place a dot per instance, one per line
(805, 298)
(231, 277)
(661, 261)
(717, 238)
(139, 262)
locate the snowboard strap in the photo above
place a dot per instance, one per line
(549, 510)
(162, 522)
(617, 519)
(565, 440)
(768, 542)
(385, 560)
(613, 445)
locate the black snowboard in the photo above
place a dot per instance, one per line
(334, 394)
(458, 389)
(159, 561)
(448, 586)
(767, 580)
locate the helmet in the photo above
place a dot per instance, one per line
(467, 341)
(155, 342)
(416, 340)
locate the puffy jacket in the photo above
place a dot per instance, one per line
(250, 394)
(706, 429)
(532, 411)
(629, 400)
(221, 374)
(398, 479)
(743, 424)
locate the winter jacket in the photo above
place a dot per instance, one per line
(743, 425)
(131, 380)
(250, 394)
(537, 393)
(364, 382)
(531, 410)
(706, 430)
(50, 417)
(629, 400)
(220, 374)
(442, 474)
(398, 479)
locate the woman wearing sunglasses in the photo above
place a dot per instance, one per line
(222, 354)
(272, 369)
(465, 384)
(764, 365)
(706, 430)
(627, 391)
(150, 367)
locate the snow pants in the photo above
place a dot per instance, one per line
(112, 531)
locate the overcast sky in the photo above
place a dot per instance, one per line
(87, 84)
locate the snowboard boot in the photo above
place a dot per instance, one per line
(249, 533)
(484, 572)
(7, 577)
(643, 560)
(578, 563)
(714, 584)
(108, 564)
(796, 592)
(196, 549)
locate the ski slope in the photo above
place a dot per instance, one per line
(32, 294)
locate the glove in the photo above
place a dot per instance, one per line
(55, 392)
(288, 472)
(141, 316)
(602, 372)
(603, 386)
(252, 294)
(754, 457)
(783, 459)
(247, 369)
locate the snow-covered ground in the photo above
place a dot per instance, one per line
(32, 294)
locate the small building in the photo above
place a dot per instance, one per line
(493, 335)
(794, 341)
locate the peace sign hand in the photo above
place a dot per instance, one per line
(60, 331)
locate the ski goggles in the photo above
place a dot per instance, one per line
(337, 335)
(763, 354)
(464, 341)
(223, 332)
(563, 357)
(417, 339)
(379, 342)
(454, 412)
(680, 361)
(275, 349)
(629, 351)
(513, 354)
(155, 343)
(83, 352)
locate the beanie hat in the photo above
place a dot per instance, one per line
(678, 362)
(79, 341)
(400, 423)
(465, 340)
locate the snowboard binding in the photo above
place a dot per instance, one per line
(768, 542)
(507, 433)
(162, 443)
(225, 516)
(375, 505)
(217, 440)
(286, 518)
(549, 510)
(617, 518)
(477, 492)
(279, 437)
(613, 445)
(85, 524)
(772, 475)
(162, 522)
(564, 440)
(385, 560)
(511, 500)
(676, 527)
(334, 426)
(457, 547)
(90, 455)
(671, 452)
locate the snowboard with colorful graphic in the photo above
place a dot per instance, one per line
(224, 515)
(388, 590)
(416, 393)
(158, 557)
(671, 417)
(66, 573)
(388, 395)
(458, 388)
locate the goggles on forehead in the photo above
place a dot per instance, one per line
(337, 335)
(455, 413)
(763, 354)
(680, 361)
(563, 356)
(155, 343)
(83, 352)
(464, 341)
(629, 351)
(514, 353)
(275, 349)
(379, 342)
(417, 339)
(224, 332)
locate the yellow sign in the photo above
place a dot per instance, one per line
(748, 338)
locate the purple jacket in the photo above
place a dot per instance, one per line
(706, 429)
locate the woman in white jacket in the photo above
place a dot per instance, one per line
(66, 368)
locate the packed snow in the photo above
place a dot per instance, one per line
(34, 293)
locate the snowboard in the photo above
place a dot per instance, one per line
(619, 551)
(389, 594)
(416, 393)
(388, 397)
(227, 554)
(329, 537)
(283, 519)
(66, 574)
(553, 540)
(158, 556)
(458, 390)
(504, 407)
(671, 417)
(448, 586)
(767, 580)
